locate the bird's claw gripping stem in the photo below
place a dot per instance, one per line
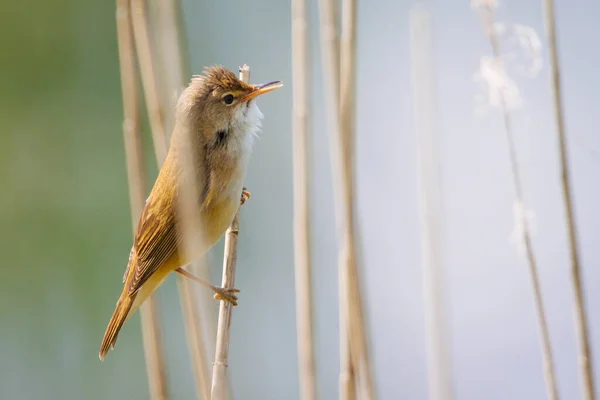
(226, 294)
(220, 293)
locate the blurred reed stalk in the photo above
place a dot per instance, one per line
(220, 389)
(136, 175)
(188, 219)
(150, 82)
(581, 324)
(546, 347)
(340, 81)
(301, 162)
(358, 337)
(196, 306)
(330, 59)
(187, 209)
(424, 103)
(174, 59)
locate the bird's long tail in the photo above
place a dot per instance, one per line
(120, 315)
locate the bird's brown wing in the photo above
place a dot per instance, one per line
(156, 239)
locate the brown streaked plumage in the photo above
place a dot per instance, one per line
(217, 115)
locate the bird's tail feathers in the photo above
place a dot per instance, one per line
(116, 322)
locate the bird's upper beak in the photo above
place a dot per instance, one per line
(257, 90)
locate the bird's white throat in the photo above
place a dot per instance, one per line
(247, 122)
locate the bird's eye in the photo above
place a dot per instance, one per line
(228, 99)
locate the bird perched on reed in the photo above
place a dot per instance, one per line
(217, 118)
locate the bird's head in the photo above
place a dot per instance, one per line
(220, 106)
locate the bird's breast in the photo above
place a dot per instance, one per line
(219, 212)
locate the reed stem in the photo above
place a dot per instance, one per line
(357, 330)
(424, 98)
(581, 324)
(136, 175)
(546, 347)
(220, 388)
(302, 250)
(196, 313)
(330, 59)
(340, 78)
(150, 81)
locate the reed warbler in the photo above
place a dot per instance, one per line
(217, 117)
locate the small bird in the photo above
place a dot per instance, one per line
(217, 117)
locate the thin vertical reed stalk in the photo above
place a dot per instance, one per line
(357, 328)
(188, 212)
(188, 219)
(150, 81)
(153, 351)
(195, 336)
(423, 80)
(173, 58)
(549, 374)
(302, 250)
(581, 325)
(175, 68)
(330, 59)
(220, 388)
(340, 81)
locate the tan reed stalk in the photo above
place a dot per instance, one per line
(175, 68)
(330, 59)
(188, 214)
(347, 383)
(220, 388)
(173, 58)
(195, 335)
(357, 330)
(150, 80)
(187, 209)
(581, 324)
(424, 100)
(546, 347)
(153, 351)
(349, 272)
(340, 102)
(302, 249)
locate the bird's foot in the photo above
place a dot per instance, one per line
(220, 293)
(226, 294)
(245, 196)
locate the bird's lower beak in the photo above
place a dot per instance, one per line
(257, 90)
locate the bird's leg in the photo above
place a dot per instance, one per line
(245, 195)
(220, 293)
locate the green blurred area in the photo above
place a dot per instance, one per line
(64, 207)
(64, 211)
(65, 226)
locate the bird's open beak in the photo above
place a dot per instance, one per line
(257, 90)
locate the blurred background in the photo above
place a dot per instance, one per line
(66, 233)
